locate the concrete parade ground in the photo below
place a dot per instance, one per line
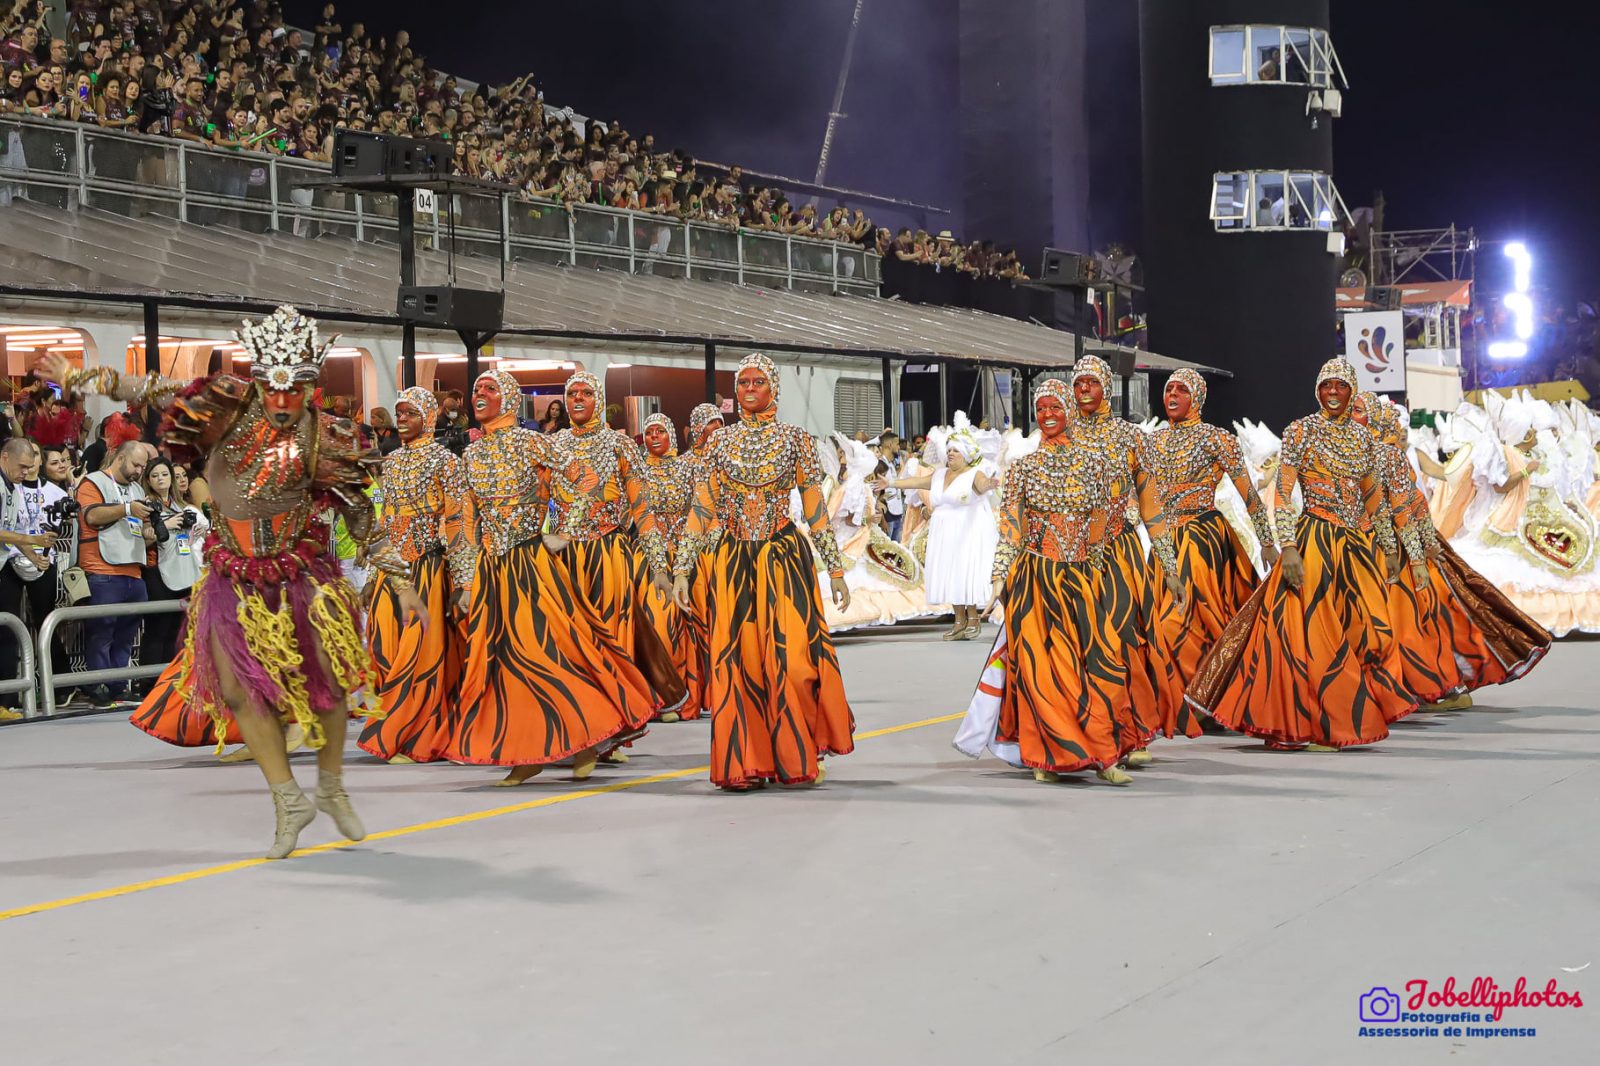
(1231, 906)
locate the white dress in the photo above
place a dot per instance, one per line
(962, 535)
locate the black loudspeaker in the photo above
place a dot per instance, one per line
(357, 154)
(1122, 363)
(1385, 297)
(477, 310)
(411, 157)
(1067, 268)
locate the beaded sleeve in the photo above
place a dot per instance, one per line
(1291, 456)
(151, 388)
(1009, 548)
(808, 479)
(630, 461)
(1231, 458)
(1150, 511)
(699, 524)
(455, 529)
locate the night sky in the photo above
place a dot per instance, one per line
(1463, 111)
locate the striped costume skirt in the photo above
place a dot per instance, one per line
(419, 673)
(1315, 665)
(774, 689)
(674, 632)
(1460, 632)
(1066, 702)
(551, 668)
(1218, 577)
(1129, 600)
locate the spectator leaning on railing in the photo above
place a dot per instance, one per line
(27, 551)
(113, 534)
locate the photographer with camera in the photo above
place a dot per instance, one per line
(173, 565)
(27, 552)
(114, 530)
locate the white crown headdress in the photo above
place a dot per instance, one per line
(284, 349)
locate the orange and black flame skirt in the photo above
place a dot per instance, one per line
(1317, 665)
(673, 630)
(775, 692)
(1129, 601)
(1460, 632)
(544, 679)
(419, 673)
(1066, 702)
(1218, 578)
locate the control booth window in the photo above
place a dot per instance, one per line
(1275, 200)
(1274, 55)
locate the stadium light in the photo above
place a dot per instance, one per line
(1507, 350)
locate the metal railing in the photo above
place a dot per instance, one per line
(23, 682)
(49, 679)
(71, 165)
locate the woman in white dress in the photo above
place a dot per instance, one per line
(962, 534)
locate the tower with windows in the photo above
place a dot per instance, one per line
(1243, 225)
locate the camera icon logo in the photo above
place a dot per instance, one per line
(1380, 1005)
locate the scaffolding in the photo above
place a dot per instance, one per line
(1423, 255)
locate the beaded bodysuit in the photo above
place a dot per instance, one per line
(1336, 463)
(424, 492)
(504, 470)
(1056, 504)
(1186, 460)
(669, 490)
(751, 468)
(595, 489)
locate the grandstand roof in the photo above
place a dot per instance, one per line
(86, 252)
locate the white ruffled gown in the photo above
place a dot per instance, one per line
(962, 536)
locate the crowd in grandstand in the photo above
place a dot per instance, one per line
(235, 76)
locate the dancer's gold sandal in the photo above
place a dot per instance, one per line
(1114, 775)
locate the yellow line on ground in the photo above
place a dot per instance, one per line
(408, 830)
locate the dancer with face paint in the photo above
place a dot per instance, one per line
(1457, 632)
(705, 422)
(1311, 662)
(1055, 696)
(1187, 459)
(591, 519)
(669, 489)
(1131, 587)
(419, 668)
(776, 695)
(545, 680)
(273, 633)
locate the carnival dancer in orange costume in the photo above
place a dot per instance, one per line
(705, 421)
(1310, 661)
(547, 676)
(419, 668)
(273, 633)
(1057, 696)
(776, 696)
(669, 490)
(1187, 459)
(1456, 630)
(1130, 603)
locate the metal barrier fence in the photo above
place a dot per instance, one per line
(23, 682)
(70, 165)
(49, 679)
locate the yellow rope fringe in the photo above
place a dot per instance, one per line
(352, 667)
(269, 635)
